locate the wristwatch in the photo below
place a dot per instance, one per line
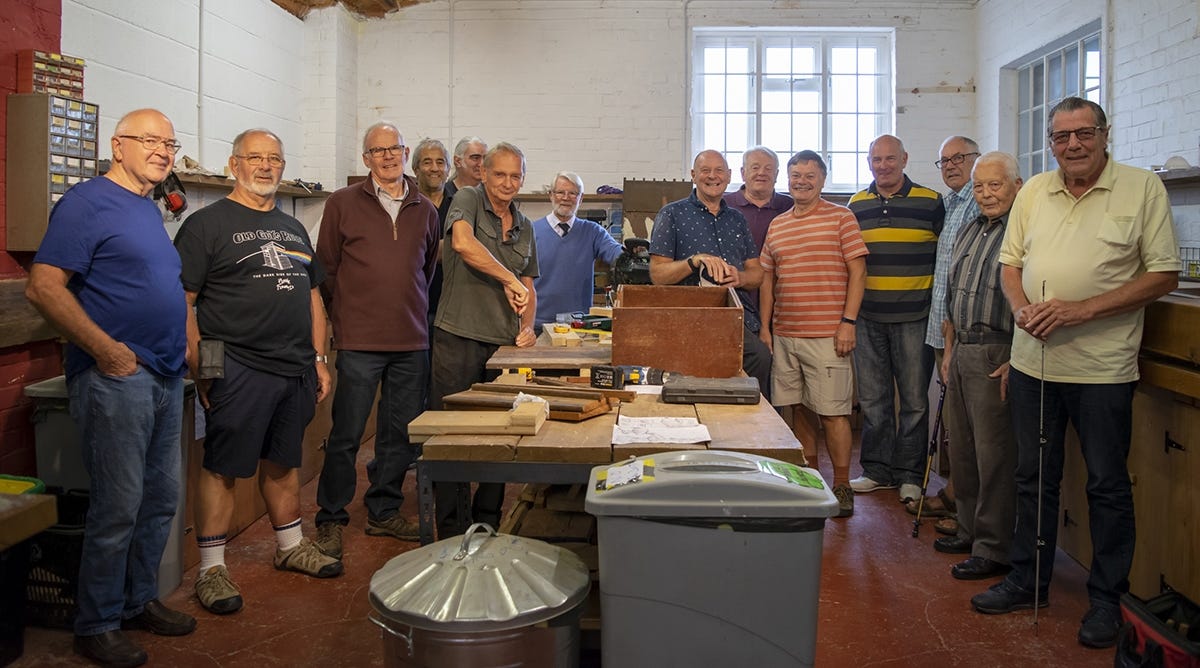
(323, 359)
(849, 321)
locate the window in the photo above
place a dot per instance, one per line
(1043, 79)
(826, 90)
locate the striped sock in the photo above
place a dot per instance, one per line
(288, 535)
(212, 551)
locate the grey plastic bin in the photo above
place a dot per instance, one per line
(709, 558)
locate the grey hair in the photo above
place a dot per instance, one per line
(971, 143)
(761, 149)
(503, 147)
(460, 149)
(1075, 103)
(572, 177)
(238, 140)
(892, 137)
(428, 143)
(379, 126)
(1011, 169)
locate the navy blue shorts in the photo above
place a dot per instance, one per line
(255, 415)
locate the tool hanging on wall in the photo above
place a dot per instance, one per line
(172, 194)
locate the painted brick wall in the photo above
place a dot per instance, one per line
(330, 105)
(24, 24)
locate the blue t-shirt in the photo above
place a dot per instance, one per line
(686, 227)
(126, 273)
(567, 264)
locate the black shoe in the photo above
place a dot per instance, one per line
(952, 545)
(1099, 627)
(978, 568)
(111, 648)
(1002, 598)
(161, 620)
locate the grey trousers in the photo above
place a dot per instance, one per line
(983, 456)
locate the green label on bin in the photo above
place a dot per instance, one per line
(793, 474)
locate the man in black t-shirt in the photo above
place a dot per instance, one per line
(249, 271)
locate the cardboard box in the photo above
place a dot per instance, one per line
(690, 330)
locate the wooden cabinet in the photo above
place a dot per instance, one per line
(51, 146)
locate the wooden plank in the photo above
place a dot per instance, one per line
(505, 401)
(524, 419)
(1174, 377)
(567, 339)
(582, 384)
(549, 357)
(24, 515)
(540, 390)
(588, 442)
(471, 448)
(19, 322)
(754, 429)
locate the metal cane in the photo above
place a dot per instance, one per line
(1040, 542)
(933, 443)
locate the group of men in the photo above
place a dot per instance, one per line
(1026, 298)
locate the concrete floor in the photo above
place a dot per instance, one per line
(886, 599)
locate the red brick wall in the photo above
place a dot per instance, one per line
(24, 24)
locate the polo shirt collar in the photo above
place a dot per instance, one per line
(1108, 178)
(694, 198)
(902, 192)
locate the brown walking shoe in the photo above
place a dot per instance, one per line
(308, 559)
(329, 539)
(216, 591)
(395, 526)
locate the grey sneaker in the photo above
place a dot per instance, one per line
(216, 591)
(863, 484)
(308, 559)
(395, 526)
(329, 539)
(845, 498)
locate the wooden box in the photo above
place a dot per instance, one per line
(690, 330)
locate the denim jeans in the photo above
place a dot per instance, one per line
(402, 379)
(1102, 415)
(129, 438)
(890, 357)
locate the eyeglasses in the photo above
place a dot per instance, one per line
(257, 160)
(1082, 134)
(569, 194)
(379, 151)
(956, 159)
(152, 143)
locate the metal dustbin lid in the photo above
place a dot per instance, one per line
(480, 581)
(708, 483)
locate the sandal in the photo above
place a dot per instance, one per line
(935, 506)
(947, 526)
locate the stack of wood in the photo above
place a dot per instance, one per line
(571, 404)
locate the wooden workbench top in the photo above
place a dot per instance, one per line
(550, 357)
(754, 429)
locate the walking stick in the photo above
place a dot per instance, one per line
(1040, 542)
(933, 443)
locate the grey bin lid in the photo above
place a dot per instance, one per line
(480, 581)
(709, 484)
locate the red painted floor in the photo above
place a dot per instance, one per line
(887, 599)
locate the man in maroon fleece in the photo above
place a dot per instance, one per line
(378, 243)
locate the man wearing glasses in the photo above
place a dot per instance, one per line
(378, 244)
(256, 344)
(1088, 245)
(125, 365)
(567, 250)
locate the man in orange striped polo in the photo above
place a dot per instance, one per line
(814, 271)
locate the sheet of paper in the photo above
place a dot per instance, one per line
(659, 430)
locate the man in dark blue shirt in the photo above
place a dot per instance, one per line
(704, 235)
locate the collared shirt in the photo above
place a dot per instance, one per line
(389, 203)
(974, 299)
(961, 208)
(686, 227)
(557, 224)
(758, 217)
(1080, 247)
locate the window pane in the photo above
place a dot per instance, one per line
(843, 95)
(1039, 84)
(737, 132)
(1071, 71)
(804, 60)
(1023, 88)
(734, 158)
(776, 129)
(737, 90)
(806, 132)
(868, 130)
(843, 170)
(714, 92)
(844, 132)
(1091, 62)
(713, 131)
(737, 60)
(714, 60)
(1023, 130)
(808, 101)
(1038, 135)
(867, 59)
(1054, 74)
(778, 60)
(866, 93)
(843, 60)
(1035, 165)
(777, 94)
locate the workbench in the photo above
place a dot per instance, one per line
(566, 452)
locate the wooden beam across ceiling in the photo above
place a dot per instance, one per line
(366, 8)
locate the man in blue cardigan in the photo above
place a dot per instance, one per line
(567, 250)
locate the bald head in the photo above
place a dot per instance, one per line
(710, 174)
(887, 160)
(135, 167)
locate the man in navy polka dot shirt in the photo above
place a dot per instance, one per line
(702, 235)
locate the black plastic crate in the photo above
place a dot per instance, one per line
(54, 557)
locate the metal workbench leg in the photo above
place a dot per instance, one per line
(425, 507)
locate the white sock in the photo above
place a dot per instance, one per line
(212, 551)
(288, 535)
